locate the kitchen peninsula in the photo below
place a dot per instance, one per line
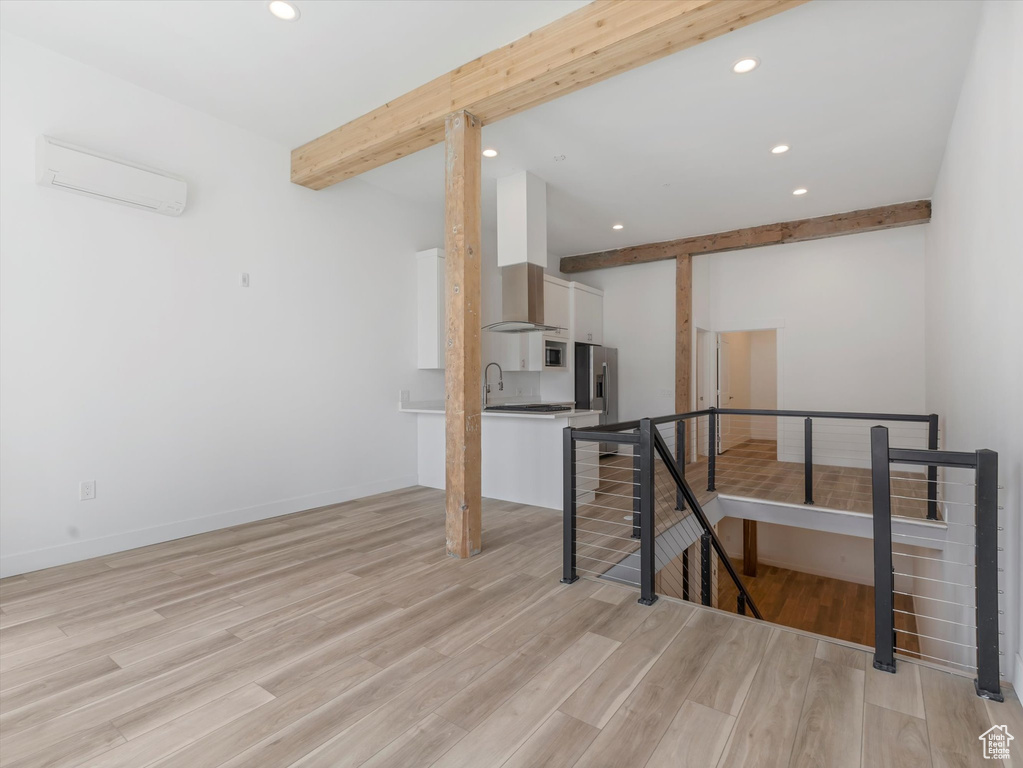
(521, 451)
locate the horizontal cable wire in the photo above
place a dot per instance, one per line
(606, 493)
(601, 506)
(925, 480)
(931, 637)
(935, 618)
(608, 467)
(935, 541)
(609, 562)
(935, 599)
(605, 535)
(609, 549)
(940, 501)
(609, 482)
(906, 654)
(603, 575)
(939, 581)
(935, 559)
(609, 522)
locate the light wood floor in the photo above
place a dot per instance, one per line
(344, 636)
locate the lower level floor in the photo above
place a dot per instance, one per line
(344, 636)
(830, 607)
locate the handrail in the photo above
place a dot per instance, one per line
(825, 414)
(694, 505)
(931, 420)
(629, 426)
(985, 563)
(851, 415)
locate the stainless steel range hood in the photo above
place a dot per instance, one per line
(521, 253)
(521, 300)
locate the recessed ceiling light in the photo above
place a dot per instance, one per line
(742, 66)
(617, 226)
(780, 149)
(800, 191)
(283, 10)
(489, 152)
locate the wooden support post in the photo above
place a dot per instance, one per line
(683, 332)
(463, 528)
(749, 547)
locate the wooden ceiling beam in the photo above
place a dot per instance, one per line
(866, 220)
(602, 39)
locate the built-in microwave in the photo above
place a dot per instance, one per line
(555, 354)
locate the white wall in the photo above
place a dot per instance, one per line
(834, 555)
(850, 318)
(850, 312)
(975, 281)
(131, 356)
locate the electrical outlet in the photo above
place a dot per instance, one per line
(245, 280)
(87, 490)
(403, 396)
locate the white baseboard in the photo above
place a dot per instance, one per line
(24, 562)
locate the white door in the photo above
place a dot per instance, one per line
(724, 390)
(706, 383)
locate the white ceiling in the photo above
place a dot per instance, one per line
(288, 81)
(863, 91)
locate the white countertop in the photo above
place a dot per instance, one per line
(437, 406)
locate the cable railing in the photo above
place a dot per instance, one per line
(816, 458)
(636, 495)
(936, 597)
(632, 518)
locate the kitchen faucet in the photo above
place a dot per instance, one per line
(486, 386)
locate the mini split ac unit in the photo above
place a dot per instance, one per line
(86, 172)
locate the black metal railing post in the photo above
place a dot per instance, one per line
(705, 573)
(740, 604)
(884, 577)
(568, 574)
(808, 460)
(636, 533)
(680, 460)
(685, 573)
(647, 564)
(932, 469)
(712, 447)
(986, 508)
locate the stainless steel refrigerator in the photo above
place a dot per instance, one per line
(596, 384)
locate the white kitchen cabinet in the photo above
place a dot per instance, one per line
(430, 308)
(556, 307)
(587, 314)
(517, 351)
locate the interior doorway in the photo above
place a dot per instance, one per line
(706, 386)
(747, 378)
